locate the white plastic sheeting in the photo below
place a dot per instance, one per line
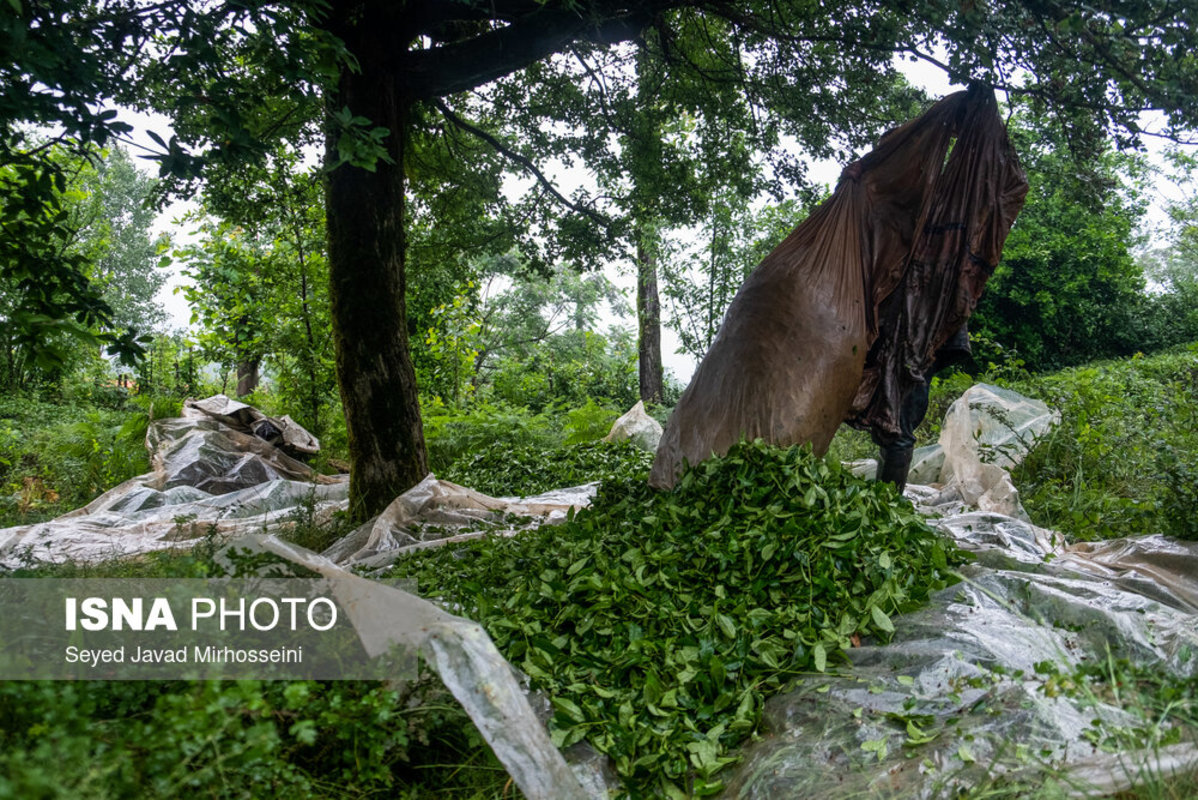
(637, 427)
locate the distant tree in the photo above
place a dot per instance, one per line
(1173, 266)
(114, 218)
(230, 297)
(91, 235)
(528, 337)
(1069, 288)
(259, 286)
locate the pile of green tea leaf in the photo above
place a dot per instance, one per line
(657, 622)
(521, 471)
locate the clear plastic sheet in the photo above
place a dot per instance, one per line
(436, 512)
(209, 475)
(212, 476)
(637, 427)
(986, 431)
(964, 670)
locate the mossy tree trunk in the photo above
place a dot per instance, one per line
(365, 218)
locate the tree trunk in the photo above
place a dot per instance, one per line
(645, 168)
(648, 315)
(365, 217)
(247, 376)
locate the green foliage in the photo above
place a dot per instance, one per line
(259, 290)
(307, 528)
(229, 293)
(1172, 313)
(1122, 459)
(589, 422)
(110, 205)
(172, 368)
(55, 458)
(528, 344)
(571, 369)
(523, 471)
(658, 622)
(451, 435)
(56, 263)
(238, 739)
(451, 349)
(1068, 289)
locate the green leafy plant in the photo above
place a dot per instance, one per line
(452, 435)
(239, 739)
(657, 622)
(531, 470)
(589, 422)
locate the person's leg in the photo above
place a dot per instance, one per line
(896, 452)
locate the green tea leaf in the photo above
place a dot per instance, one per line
(881, 620)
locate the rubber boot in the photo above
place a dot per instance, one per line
(894, 466)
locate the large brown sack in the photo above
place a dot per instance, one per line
(789, 363)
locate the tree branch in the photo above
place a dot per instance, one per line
(520, 159)
(439, 71)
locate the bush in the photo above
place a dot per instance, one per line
(450, 435)
(589, 422)
(1122, 460)
(238, 739)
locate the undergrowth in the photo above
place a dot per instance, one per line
(1124, 459)
(238, 739)
(55, 458)
(523, 471)
(234, 739)
(658, 621)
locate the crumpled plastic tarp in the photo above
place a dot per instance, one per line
(954, 669)
(638, 427)
(435, 512)
(284, 432)
(920, 220)
(209, 474)
(986, 431)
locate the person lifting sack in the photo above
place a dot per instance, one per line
(896, 452)
(851, 315)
